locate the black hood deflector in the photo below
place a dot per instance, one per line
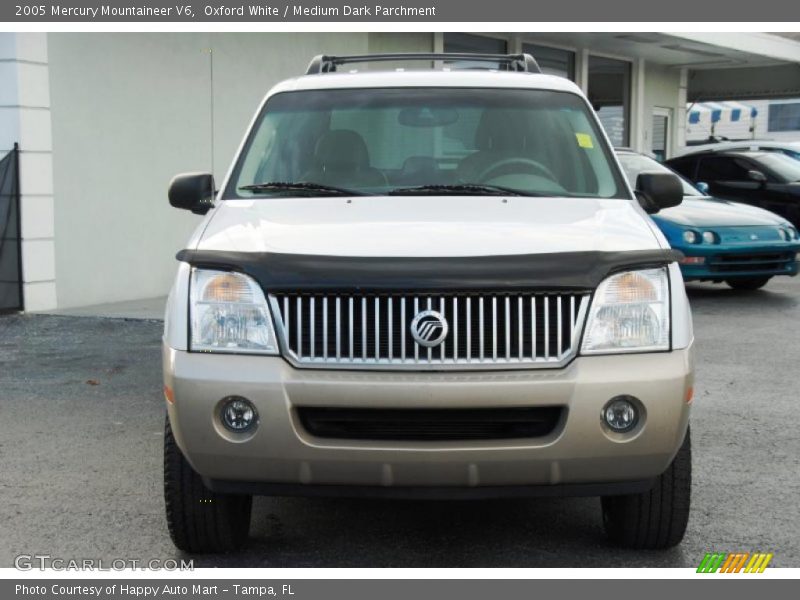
(306, 273)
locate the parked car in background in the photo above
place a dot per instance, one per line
(742, 245)
(766, 179)
(790, 149)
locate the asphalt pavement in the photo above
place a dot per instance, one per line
(81, 430)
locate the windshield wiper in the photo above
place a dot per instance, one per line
(307, 186)
(467, 189)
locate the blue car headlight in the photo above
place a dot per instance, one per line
(691, 237)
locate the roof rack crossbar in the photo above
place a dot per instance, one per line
(524, 63)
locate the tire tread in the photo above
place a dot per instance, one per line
(199, 520)
(655, 519)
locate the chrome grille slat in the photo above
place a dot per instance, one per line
(377, 327)
(486, 330)
(312, 347)
(520, 339)
(494, 328)
(469, 329)
(547, 328)
(299, 327)
(430, 350)
(338, 328)
(390, 321)
(325, 327)
(443, 345)
(403, 328)
(416, 346)
(455, 328)
(350, 324)
(560, 329)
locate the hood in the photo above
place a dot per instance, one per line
(713, 212)
(425, 226)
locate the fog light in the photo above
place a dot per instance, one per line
(620, 414)
(238, 414)
(693, 260)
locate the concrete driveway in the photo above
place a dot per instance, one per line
(81, 421)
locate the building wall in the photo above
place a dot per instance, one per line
(25, 119)
(131, 110)
(662, 90)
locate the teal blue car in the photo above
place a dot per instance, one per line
(722, 241)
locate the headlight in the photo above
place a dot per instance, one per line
(709, 237)
(229, 314)
(690, 237)
(629, 313)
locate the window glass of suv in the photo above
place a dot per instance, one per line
(379, 140)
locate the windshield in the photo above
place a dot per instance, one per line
(787, 169)
(633, 164)
(382, 141)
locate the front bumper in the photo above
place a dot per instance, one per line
(281, 457)
(723, 262)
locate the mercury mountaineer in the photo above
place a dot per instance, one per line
(427, 283)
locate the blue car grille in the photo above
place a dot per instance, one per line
(762, 261)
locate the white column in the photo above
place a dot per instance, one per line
(438, 42)
(679, 133)
(25, 119)
(639, 129)
(582, 69)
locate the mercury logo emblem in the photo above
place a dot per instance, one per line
(429, 328)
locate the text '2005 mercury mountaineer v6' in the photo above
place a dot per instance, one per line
(428, 283)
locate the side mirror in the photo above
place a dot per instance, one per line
(656, 191)
(702, 187)
(192, 191)
(757, 176)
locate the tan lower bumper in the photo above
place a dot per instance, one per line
(580, 450)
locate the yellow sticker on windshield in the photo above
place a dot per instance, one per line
(584, 140)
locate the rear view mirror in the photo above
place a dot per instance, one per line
(656, 191)
(192, 191)
(433, 116)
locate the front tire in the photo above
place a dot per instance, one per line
(655, 519)
(748, 283)
(199, 520)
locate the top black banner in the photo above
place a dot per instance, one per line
(400, 11)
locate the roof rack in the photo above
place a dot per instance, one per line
(523, 63)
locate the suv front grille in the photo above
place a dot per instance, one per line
(491, 330)
(430, 424)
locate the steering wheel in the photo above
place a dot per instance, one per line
(524, 162)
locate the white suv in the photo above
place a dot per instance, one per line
(430, 283)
